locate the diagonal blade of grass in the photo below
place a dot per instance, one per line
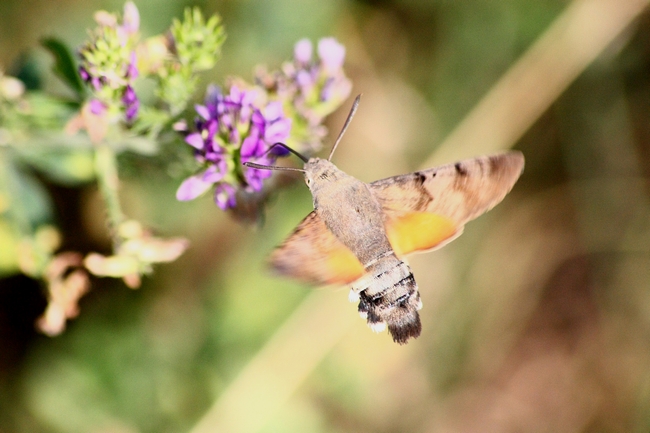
(270, 378)
(574, 40)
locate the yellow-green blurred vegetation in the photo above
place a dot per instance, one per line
(537, 319)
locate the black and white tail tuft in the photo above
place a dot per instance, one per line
(391, 299)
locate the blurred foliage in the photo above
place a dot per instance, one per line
(536, 319)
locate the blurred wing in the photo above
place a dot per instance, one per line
(314, 255)
(429, 208)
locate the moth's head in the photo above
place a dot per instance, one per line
(319, 172)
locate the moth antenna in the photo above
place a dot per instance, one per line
(295, 152)
(272, 167)
(353, 110)
(275, 167)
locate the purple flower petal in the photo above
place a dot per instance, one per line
(278, 131)
(213, 98)
(304, 80)
(245, 113)
(132, 110)
(180, 126)
(256, 131)
(211, 127)
(97, 107)
(234, 136)
(302, 51)
(195, 140)
(129, 96)
(226, 116)
(131, 20)
(335, 89)
(235, 95)
(96, 83)
(83, 73)
(192, 187)
(203, 111)
(224, 196)
(132, 70)
(215, 157)
(249, 97)
(214, 173)
(254, 177)
(331, 53)
(251, 147)
(273, 111)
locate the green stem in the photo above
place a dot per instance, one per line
(106, 169)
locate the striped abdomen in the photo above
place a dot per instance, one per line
(388, 296)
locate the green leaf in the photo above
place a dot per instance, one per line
(65, 65)
(30, 204)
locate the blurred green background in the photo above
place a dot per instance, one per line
(536, 320)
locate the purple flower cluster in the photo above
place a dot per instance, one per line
(311, 87)
(109, 63)
(322, 80)
(232, 129)
(241, 125)
(131, 103)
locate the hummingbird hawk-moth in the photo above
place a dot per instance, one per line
(358, 233)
